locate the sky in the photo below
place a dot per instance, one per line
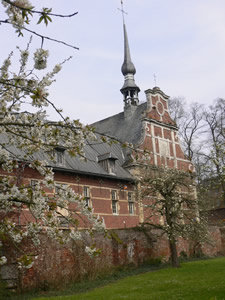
(182, 42)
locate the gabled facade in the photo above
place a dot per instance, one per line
(150, 128)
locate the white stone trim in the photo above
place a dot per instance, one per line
(153, 145)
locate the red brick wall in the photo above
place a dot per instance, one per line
(100, 196)
(57, 265)
(162, 131)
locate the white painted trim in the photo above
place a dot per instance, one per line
(153, 145)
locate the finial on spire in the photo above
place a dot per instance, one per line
(154, 79)
(123, 11)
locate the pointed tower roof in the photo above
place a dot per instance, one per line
(129, 89)
(128, 66)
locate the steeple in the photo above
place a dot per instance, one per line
(128, 66)
(129, 90)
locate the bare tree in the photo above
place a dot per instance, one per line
(214, 146)
(177, 107)
(189, 120)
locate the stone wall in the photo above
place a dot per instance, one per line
(57, 265)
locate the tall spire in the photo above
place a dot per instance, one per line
(128, 66)
(129, 90)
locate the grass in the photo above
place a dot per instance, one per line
(87, 284)
(203, 280)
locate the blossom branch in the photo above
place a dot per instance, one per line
(39, 12)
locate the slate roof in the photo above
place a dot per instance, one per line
(90, 166)
(117, 126)
(124, 129)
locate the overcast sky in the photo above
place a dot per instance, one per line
(181, 41)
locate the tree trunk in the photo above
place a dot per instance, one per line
(173, 253)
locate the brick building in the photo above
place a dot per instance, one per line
(107, 178)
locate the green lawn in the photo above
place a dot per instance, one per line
(204, 280)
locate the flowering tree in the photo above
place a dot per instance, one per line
(28, 141)
(170, 205)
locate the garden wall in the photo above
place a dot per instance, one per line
(57, 265)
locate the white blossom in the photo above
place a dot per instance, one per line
(90, 251)
(75, 235)
(3, 260)
(14, 13)
(40, 59)
(28, 141)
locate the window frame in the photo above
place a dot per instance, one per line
(114, 195)
(115, 207)
(86, 194)
(33, 183)
(60, 156)
(131, 207)
(130, 197)
(114, 198)
(62, 211)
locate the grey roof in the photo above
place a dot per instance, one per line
(129, 84)
(90, 166)
(123, 129)
(108, 155)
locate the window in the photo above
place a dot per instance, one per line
(130, 196)
(104, 164)
(87, 195)
(131, 208)
(59, 156)
(114, 195)
(112, 166)
(108, 165)
(114, 207)
(60, 190)
(33, 183)
(130, 203)
(57, 189)
(108, 162)
(62, 211)
(62, 216)
(114, 202)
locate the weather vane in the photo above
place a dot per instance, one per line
(123, 11)
(154, 78)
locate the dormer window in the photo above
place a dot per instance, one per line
(108, 162)
(112, 165)
(59, 156)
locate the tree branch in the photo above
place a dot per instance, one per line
(40, 35)
(39, 12)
